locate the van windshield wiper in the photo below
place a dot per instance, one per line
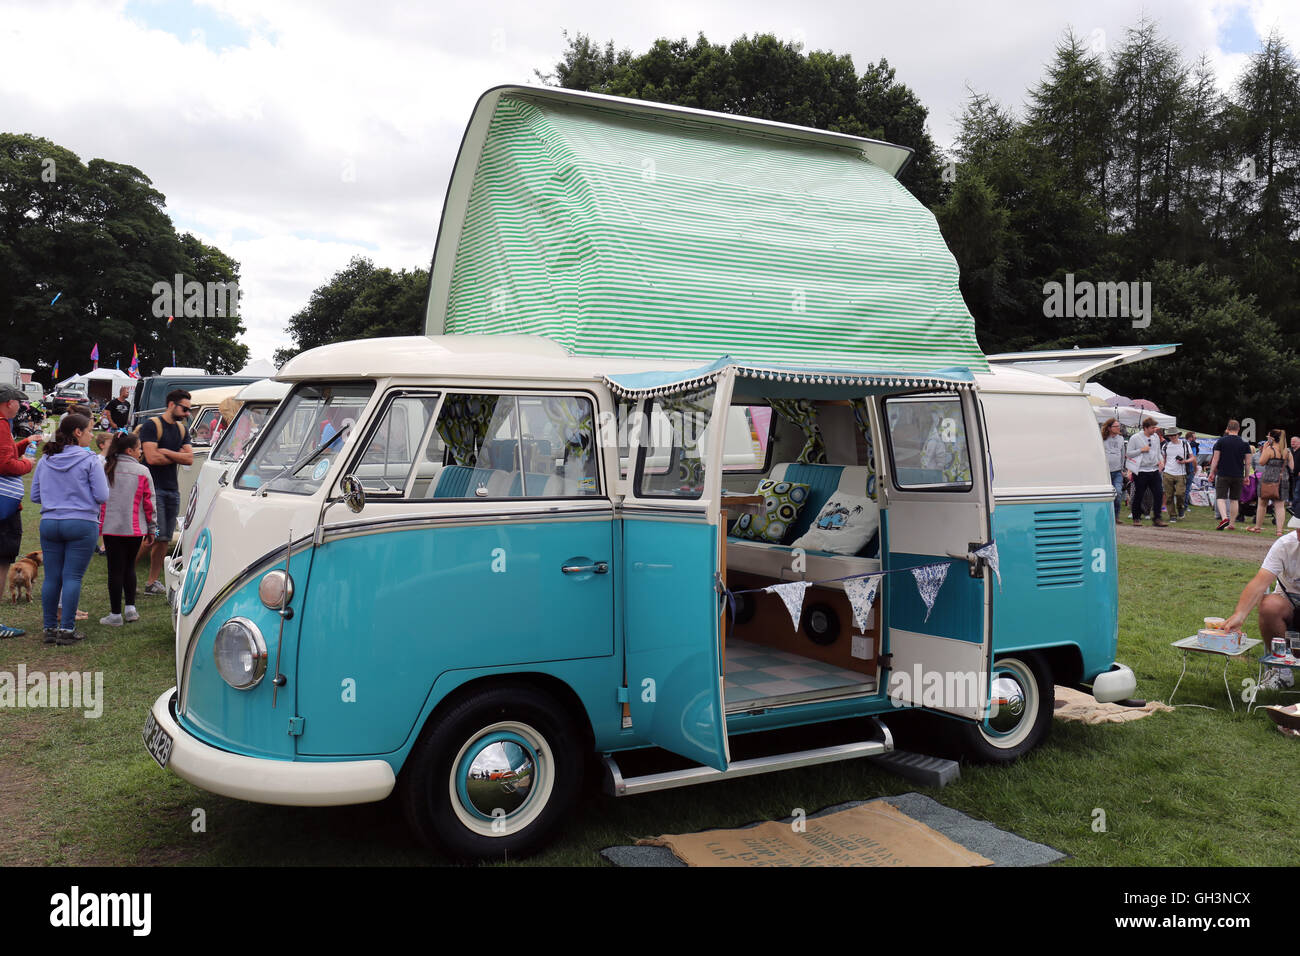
(301, 462)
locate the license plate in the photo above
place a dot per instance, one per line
(157, 741)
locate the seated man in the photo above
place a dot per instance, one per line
(1277, 612)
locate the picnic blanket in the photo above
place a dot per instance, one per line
(1076, 705)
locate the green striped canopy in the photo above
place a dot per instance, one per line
(636, 233)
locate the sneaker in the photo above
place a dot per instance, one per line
(130, 614)
(157, 587)
(112, 620)
(6, 631)
(1137, 524)
(56, 635)
(51, 635)
(1272, 680)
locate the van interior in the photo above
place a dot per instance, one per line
(767, 660)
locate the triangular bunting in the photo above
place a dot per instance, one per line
(862, 593)
(792, 594)
(929, 579)
(990, 554)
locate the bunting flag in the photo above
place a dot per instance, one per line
(929, 579)
(134, 369)
(55, 376)
(791, 593)
(170, 320)
(862, 594)
(94, 355)
(990, 554)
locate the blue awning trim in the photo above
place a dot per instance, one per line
(650, 384)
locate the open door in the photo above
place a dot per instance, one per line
(935, 490)
(670, 521)
(1078, 366)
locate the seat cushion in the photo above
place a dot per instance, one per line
(783, 501)
(844, 526)
(822, 482)
(776, 560)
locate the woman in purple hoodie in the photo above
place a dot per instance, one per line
(69, 485)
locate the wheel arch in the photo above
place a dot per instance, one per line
(555, 688)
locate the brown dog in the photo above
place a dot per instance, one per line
(23, 574)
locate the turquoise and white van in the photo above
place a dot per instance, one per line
(673, 360)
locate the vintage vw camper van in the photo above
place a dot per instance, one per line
(460, 566)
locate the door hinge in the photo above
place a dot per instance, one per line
(620, 695)
(295, 726)
(886, 662)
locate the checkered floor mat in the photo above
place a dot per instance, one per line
(756, 673)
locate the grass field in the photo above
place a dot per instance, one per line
(1193, 787)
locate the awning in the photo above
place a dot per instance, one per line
(778, 381)
(620, 228)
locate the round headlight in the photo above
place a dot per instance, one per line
(275, 589)
(240, 653)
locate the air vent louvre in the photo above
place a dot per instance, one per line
(1058, 547)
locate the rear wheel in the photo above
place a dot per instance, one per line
(1022, 698)
(495, 777)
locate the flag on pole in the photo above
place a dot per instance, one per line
(170, 320)
(173, 358)
(94, 355)
(134, 369)
(118, 365)
(56, 370)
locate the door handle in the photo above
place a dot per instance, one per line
(600, 567)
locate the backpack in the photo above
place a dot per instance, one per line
(157, 424)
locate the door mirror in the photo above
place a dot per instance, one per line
(354, 496)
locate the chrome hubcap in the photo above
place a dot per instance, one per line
(495, 775)
(1008, 705)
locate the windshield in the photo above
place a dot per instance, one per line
(312, 414)
(238, 438)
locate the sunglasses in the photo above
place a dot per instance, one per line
(184, 408)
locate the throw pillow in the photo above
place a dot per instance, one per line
(782, 503)
(844, 525)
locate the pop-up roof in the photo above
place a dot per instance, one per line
(617, 227)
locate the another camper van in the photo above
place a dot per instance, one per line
(612, 503)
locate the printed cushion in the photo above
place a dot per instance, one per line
(844, 526)
(782, 503)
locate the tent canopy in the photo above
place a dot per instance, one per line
(617, 227)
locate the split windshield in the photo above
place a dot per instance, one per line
(310, 416)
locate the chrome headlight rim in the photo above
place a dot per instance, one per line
(255, 644)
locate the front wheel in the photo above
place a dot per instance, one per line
(1022, 698)
(496, 775)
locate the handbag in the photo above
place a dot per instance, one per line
(1270, 482)
(11, 496)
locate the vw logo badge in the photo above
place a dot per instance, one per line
(196, 572)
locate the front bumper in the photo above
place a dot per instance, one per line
(1118, 683)
(262, 780)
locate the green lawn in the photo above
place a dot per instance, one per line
(1192, 787)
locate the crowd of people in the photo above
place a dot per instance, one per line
(1156, 469)
(127, 494)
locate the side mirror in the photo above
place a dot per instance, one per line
(354, 495)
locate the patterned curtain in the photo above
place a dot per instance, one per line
(464, 423)
(945, 449)
(864, 425)
(697, 409)
(572, 419)
(801, 413)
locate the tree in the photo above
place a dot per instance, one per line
(94, 237)
(359, 302)
(765, 78)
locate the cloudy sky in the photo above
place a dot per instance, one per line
(295, 134)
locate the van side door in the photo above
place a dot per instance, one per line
(937, 502)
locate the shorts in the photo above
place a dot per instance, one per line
(11, 538)
(1229, 488)
(169, 505)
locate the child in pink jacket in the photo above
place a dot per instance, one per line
(127, 518)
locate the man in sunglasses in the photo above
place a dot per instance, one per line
(164, 441)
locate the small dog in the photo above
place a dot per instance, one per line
(23, 574)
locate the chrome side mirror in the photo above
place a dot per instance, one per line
(354, 495)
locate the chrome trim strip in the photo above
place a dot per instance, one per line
(352, 529)
(1054, 496)
(620, 786)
